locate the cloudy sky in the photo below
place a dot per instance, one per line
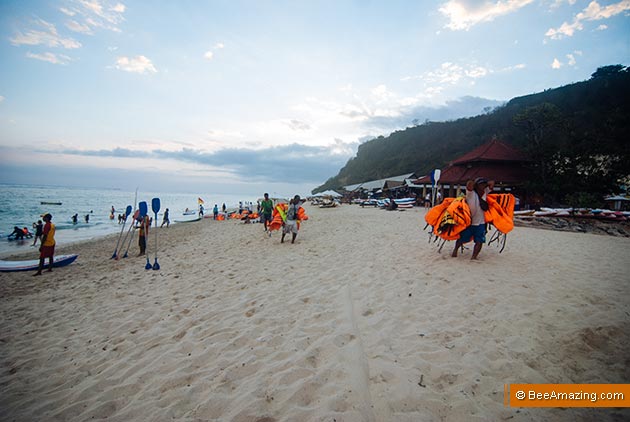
(225, 96)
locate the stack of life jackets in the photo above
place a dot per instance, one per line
(279, 216)
(452, 216)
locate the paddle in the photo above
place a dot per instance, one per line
(135, 214)
(155, 206)
(135, 217)
(127, 212)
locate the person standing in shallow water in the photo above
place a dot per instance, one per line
(47, 248)
(39, 231)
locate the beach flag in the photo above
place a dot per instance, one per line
(199, 201)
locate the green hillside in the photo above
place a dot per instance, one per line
(577, 135)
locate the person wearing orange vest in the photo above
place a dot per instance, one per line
(476, 198)
(47, 249)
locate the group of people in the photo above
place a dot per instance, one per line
(283, 216)
(288, 216)
(427, 199)
(75, 218)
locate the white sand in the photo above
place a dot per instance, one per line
(360, 320)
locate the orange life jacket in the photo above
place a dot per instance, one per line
(500, 211)
(449, 218)
(279, 215)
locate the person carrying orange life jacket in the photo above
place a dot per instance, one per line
(289, 218)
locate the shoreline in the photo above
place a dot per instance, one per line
(563, 224)
(361, 319)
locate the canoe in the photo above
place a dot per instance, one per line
(50, 203)
(405, 201)
(31, 265)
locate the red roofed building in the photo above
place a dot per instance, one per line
(494, 160)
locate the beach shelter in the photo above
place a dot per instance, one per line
(329, 193)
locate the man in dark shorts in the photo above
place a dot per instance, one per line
(476, 194)
(47, 249)
(266, 207)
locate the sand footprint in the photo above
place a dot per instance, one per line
(343, 339)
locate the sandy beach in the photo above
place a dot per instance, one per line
(361, 320)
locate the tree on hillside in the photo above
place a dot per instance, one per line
(606, 71)
(540, 123)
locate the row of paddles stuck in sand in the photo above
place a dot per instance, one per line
(142, 211)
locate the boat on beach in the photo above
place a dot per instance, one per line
(33, 264)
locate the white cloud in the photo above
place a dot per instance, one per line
(592, 12)
(119, 8)
(451, 73)
(67, 12)
(463, 15)
(515, 67)
(1, 98)
(602, 27)
(571, 61)
(78, 27)
(556, 64)
(208, 55)
(95, 14)
(558, 3)
(138, 64)
(48, 37)
(50, 58)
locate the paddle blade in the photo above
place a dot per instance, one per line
(155, 205)
(143, 208)
(128, 210)
(156, 266)
(115, 255)
(148, 266)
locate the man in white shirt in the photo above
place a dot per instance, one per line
(476, 194)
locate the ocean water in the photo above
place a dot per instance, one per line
(21, 205)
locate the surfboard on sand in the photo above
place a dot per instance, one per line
(31, 265)
(187, 221)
